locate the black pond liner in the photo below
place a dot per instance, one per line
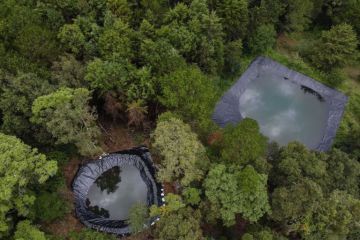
(87, 175)
(227, 109)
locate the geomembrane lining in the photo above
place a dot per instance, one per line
(87, 175)
(227, 110)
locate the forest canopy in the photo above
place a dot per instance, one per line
(80, 78)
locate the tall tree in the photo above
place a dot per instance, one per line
(16, 96)
(190, 93)
(66, 114)
(183, 224)
(20, 168)
(335, 48)
(24, 230)
(297, 14)
(237, 191)
(183, 154)
(234, 16)
(243, 143)
(138, 217)
(196, 33)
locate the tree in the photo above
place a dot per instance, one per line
(263, 39)
(160, 56)
(181, 225)
(26, 231)
(196, 33)
(37, 43)
(233, 54)
(68, 72)
(242, 144)
(174, 202)
(183, 154)
(335, 48)
(265, 12)
(122, 77)
(20, 168)
(67, 116)
(191, 94)
(295, 163)
(234, 17)
(72, 38)
(138, 217)
(115, 41)
(297, 14)
(191, 195)
(336, 217)
(294, 205)
(341, 11)
(237, 191)
(16, 96)
(90, 234)
(49, 206)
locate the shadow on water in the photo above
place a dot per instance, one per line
(311, 91)
(109, 180)
(98, 210)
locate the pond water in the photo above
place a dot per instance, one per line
(285, 110)
(115, 191)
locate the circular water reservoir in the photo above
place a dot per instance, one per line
(106, 189)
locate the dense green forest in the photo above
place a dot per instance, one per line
(83, 77)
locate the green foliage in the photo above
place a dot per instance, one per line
(173, 203)
(266, 12)
(183, 155)
(196, 33)
(16, 99)
(72, 38)
(67, 116)
(243, 143)
(191, 195)
(233, 54)
(36, 43)
(121, 76)
(89, 234)
(341, 11)
(191, 94)
(337, 216)
(234, 18)
(261, 234)
(181, 225)
(115, 41)
(20, 168)
(296, 203)
(305, 182)
(160, 56)
(348, 134)
(298, 14)
(263, 39)
(234, 191)
(49, 206)
(138, 217)
(335, 48)
(334, 170)
(26, 231)
(68, 72)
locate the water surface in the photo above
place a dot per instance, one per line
(115, 191)
(285, 110)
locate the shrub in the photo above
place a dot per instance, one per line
(49, 206)
(263, 39)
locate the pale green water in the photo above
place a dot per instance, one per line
(115, 191)
(284, 111)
